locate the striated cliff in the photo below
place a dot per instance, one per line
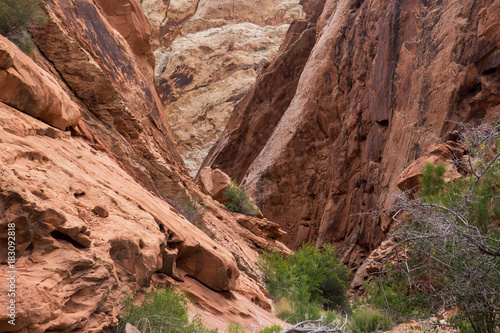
(208, 54)
(356, 94)
(86, 169)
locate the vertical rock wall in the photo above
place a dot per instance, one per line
(383, 81)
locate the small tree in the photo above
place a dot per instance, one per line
(449, 241)
(308, 278)
(239, 200)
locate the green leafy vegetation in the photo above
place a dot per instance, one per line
(235, 328)
(239, 200)
(162, 311)
(16, 16)
(448, 254)
(191, 207)
(271, 329)
(305, 283)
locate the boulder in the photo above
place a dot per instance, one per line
(214, 183)
(28, 88)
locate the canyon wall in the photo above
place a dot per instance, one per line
(87, 166)
(208, 54)
(359, 91)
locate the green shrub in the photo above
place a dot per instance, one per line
(16, 16)
(309, 280)
(235, 328)
(162, 311)
(271, 329)
(191, 207)
(239, 200)
(450, 236)
(368, 320)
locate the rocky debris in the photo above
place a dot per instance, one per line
(384, 81)
(450, 154)
(129, 328)
(208, 56)
(27, 87)
(261, 227)
(214, 183)
(373, 264)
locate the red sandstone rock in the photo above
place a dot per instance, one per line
(449, 154)
(214, 183)
(384, 81)
(27, 87)
(75, 267)
(101, 211)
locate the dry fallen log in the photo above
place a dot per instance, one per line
(308, 326)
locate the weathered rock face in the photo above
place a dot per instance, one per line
(208, 57)
(88, 205)
(30, 89)
(383, 82)
(113, 79)
(75, 265)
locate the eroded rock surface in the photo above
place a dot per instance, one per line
(89, 204)
(208, 56)
(383, 82)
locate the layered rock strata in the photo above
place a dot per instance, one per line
(208, 56)
(383, 82)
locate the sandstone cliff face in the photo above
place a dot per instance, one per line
(87, 165)
(383, 82)
(208, 56)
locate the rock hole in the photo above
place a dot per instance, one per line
(477, 88)
(79, 194)
(63, 237)
(384, 122)
(489, 71)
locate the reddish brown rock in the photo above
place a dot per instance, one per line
(121, 110)
(449, 154)
(74, 266)
(383, 83)
(214, 183)
(100, 211)
(27, 87)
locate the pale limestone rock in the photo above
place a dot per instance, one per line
(208, 54)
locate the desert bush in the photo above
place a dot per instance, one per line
(239, 200)
(448, 255)
(162, 311)
(271, 329)
(235, 328)
(191, 207)
(368, 320)
(309, 280)
(16, 16)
